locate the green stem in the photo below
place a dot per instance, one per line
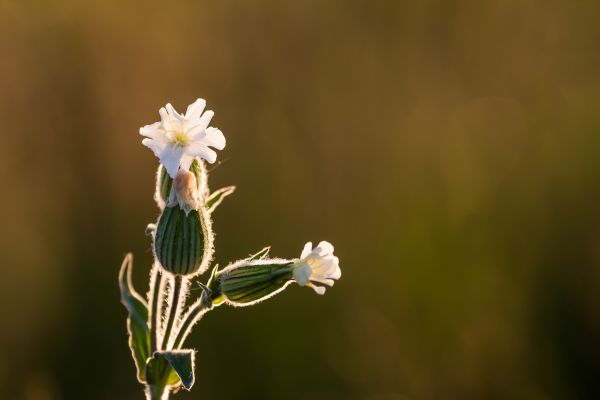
(194, 314)
(157, 392)
(174, 309)
(156, 284)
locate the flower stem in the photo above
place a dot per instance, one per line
(157, 392)
(173, 310)
(197, 310)
(154, 318)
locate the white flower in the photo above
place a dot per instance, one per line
(177, 138)
(317, 265)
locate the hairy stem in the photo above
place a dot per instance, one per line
(197, 310)
(173, 309)
(154, 314)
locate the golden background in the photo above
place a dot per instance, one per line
(450, 150)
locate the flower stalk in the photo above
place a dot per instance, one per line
(174, 306)
(155, 284)
(194, 314)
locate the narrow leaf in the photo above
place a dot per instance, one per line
(261, 254)
(137, 326)
(217, 197)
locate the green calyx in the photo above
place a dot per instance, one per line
(247, 282)
(183, 242)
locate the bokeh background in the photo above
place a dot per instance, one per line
(449, 149)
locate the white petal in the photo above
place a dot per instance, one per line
(195, 109)
(168, 121)
(170, 157)
(186, 161)
(325, 248)
(156, 146)
(307, 250)
(337, 274)
(152, 130)
(214, 138)
(302, 274)
(318, 289)
(197, 127)
(172, 112)
(194, 129)
(164, 115)
(200, 150)
(327, 282)
(205, 118)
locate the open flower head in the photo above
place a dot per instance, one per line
(317, 265)
(176, 139)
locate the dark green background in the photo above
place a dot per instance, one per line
(449, 150)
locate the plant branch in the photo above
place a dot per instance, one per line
(173, 309)
(195, 313)
(155, 285)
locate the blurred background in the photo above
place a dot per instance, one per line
(450, 150)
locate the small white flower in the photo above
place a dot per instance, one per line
(317, 265)
(177, 138)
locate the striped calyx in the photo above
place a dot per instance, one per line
(249, 281)
(183, 241)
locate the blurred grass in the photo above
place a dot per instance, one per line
(449, 150)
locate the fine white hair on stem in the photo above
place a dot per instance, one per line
(195, 312)
(183, 295)
(178, 287)
(162, 305)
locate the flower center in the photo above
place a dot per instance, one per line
(179, 139)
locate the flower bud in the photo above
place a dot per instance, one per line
(247, 282)
(183, 241)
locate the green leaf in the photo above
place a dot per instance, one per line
(217, 197)
(260, 255)
(137, 325)
(171, 368)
